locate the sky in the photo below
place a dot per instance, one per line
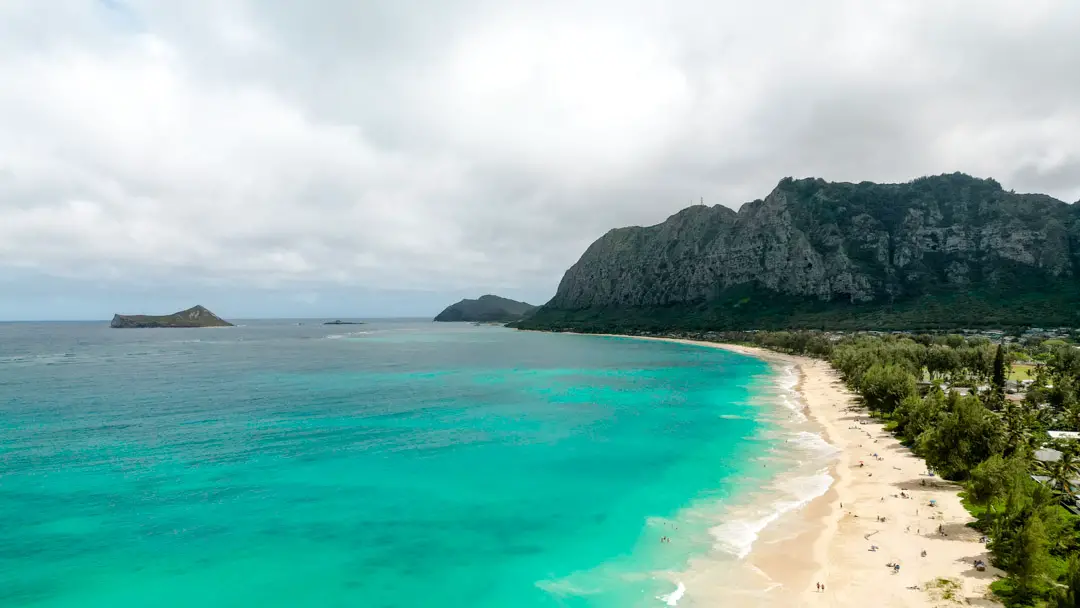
(273, 158)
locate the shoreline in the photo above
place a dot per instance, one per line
(829, 539)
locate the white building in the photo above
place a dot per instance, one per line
(1064, 435)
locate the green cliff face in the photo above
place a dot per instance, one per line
(943, 251)
(486, 309)
(196, 316)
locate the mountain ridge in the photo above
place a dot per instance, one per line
(938, 251)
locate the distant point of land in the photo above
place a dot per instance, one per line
(196, 316)
(487, 309)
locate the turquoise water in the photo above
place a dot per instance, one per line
(390, 464)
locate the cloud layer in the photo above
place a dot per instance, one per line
(472, 145)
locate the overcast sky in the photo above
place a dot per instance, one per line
(381, 158)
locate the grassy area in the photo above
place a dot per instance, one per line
(945, 589)
(1003, 589)
(1022, 372)
(977, 511)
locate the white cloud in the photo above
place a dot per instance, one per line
(471, 143)
(573, 100)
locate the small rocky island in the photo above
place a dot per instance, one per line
(340, 322)
(196, 316)
(486, 309)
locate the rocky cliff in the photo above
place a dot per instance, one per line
(196, 316)
(486, 309)
(948, 250)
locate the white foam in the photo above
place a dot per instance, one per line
(42, 359)
(346, 335)
(737, 536)
(787, 382)
(813, 443)
(672, 599)
(807, 487)
(790, 404)
(790, 379)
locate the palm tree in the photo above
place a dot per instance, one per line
(1019, 421)
(1067, 471)
(1063, 473)
(1070, 418)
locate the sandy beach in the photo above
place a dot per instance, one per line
(846, 538)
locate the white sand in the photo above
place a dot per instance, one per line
(830, 544)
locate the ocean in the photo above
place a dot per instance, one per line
(397, 463)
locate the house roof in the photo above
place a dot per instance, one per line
(1047, 455)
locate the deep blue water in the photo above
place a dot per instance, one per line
(392, 464)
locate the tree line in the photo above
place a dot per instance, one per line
(982, 439)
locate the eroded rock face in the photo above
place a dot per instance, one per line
(832, 242)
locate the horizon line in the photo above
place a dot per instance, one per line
(330, 317)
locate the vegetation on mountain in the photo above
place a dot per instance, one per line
(936, 253)
(486, 309)
(196, 316)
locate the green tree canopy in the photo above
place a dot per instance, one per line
(995, 478)
(885, 386)
(915, 416)
(965, 436)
